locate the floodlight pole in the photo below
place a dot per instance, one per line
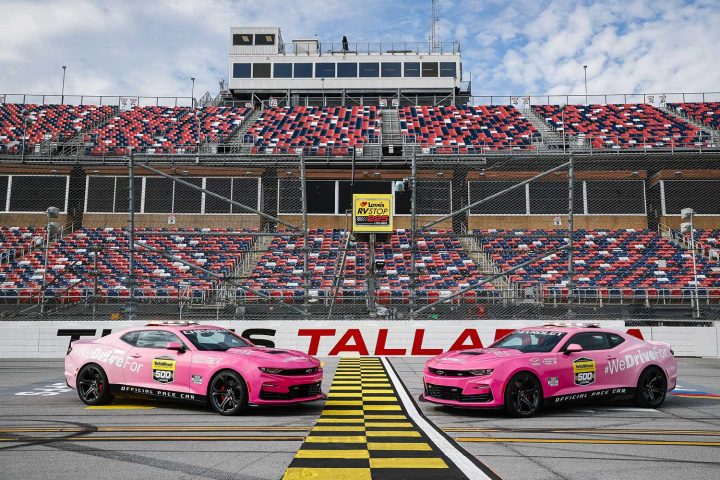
(130, 312)
(586, 95)
(62, 91)
(571, 225)
(689, 214)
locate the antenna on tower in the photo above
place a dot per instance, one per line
(433, 27)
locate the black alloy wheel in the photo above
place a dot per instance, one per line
(523, 395)
(92, 385)
(227, 393)
(651, 388)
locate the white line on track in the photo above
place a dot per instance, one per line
(456, 456)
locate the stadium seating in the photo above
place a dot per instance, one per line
(706, 113)
(164, 129)
(279, 271)
(55, 123)
(612, 262)
(463, 129)
(318, 130)
(442, 267)
(15, 241)
(71, 263)
(623, 126)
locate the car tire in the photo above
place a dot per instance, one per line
(227, 393)
(651, 388)
(523, 395)
(92, 385)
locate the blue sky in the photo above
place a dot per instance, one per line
(134, 47)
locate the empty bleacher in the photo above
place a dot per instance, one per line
(467, 129)
(609, 262)
(71, 262)
(40, 123)
(314, 130)
(623, 126)
(707, 113)
(164, 129)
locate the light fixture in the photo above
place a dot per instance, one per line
(184, 173)
(366, 173)
(635, 173)
(678, 172)
(248, 172)
(440, 174)
(376, 174)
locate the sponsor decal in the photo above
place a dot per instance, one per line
(552, 381)
(163, 369)
(550, 361)
(535, 362)
(294, 358)
(155, 392)
(543, 332)
(584, 370)
(197, 379)
(372, 213)
(609, 392)
(639, 358)
(108, 356)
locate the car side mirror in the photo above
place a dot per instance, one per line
(573, 348)
(175, 346)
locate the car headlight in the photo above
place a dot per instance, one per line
(270, 370)
(482, 372)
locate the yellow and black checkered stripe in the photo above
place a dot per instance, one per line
(363, 433)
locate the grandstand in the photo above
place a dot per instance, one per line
(243, 202)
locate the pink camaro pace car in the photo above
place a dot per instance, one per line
(193, 363)
(553, 364)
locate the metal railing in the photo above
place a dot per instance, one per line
(371, 48)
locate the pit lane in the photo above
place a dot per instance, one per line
(46, 432)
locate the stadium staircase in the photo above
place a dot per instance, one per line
(76, 145)
(236, 141)
(552, 139)
(390, 132)
(485, 265)
(714, 134)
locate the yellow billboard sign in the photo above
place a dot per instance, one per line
(372, 213)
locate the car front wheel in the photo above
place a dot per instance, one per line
(228, 395)
(523, 395)
(92, 385)
(651, 388)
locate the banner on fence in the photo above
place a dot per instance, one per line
(341, 337)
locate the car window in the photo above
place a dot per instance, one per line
(530, 340)
(590, 340)
(155, 339)
(214, 339)
(131, 337)
(615, 339)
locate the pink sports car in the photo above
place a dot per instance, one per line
(190, 362)
(553, 364)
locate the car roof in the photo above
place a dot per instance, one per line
(182, 325)
(568, 327)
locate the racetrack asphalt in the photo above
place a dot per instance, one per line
(46, 432)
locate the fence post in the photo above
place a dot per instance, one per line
(413, 228)
(571, 265)
(306, 280)
(130, 311)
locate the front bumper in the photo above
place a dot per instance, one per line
(463, 392)
(286, 390)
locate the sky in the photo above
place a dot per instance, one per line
(518, 47)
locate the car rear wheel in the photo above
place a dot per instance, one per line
(228, 395)
(651, 388)
(523, 395)
(92, 385)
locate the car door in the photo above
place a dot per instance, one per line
(583, 371)
(162, 369)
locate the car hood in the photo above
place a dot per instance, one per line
(275, 357)
(470, 359)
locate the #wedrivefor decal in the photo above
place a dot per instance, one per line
(584, 370)
(163, 369)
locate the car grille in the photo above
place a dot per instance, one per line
(294, 372)
(449, 373)
(443, 392)
(296, 391)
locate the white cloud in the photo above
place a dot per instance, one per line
(135, 47)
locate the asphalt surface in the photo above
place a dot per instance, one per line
(46, 432)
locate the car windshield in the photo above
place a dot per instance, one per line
(530, 340)
(215, 339)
